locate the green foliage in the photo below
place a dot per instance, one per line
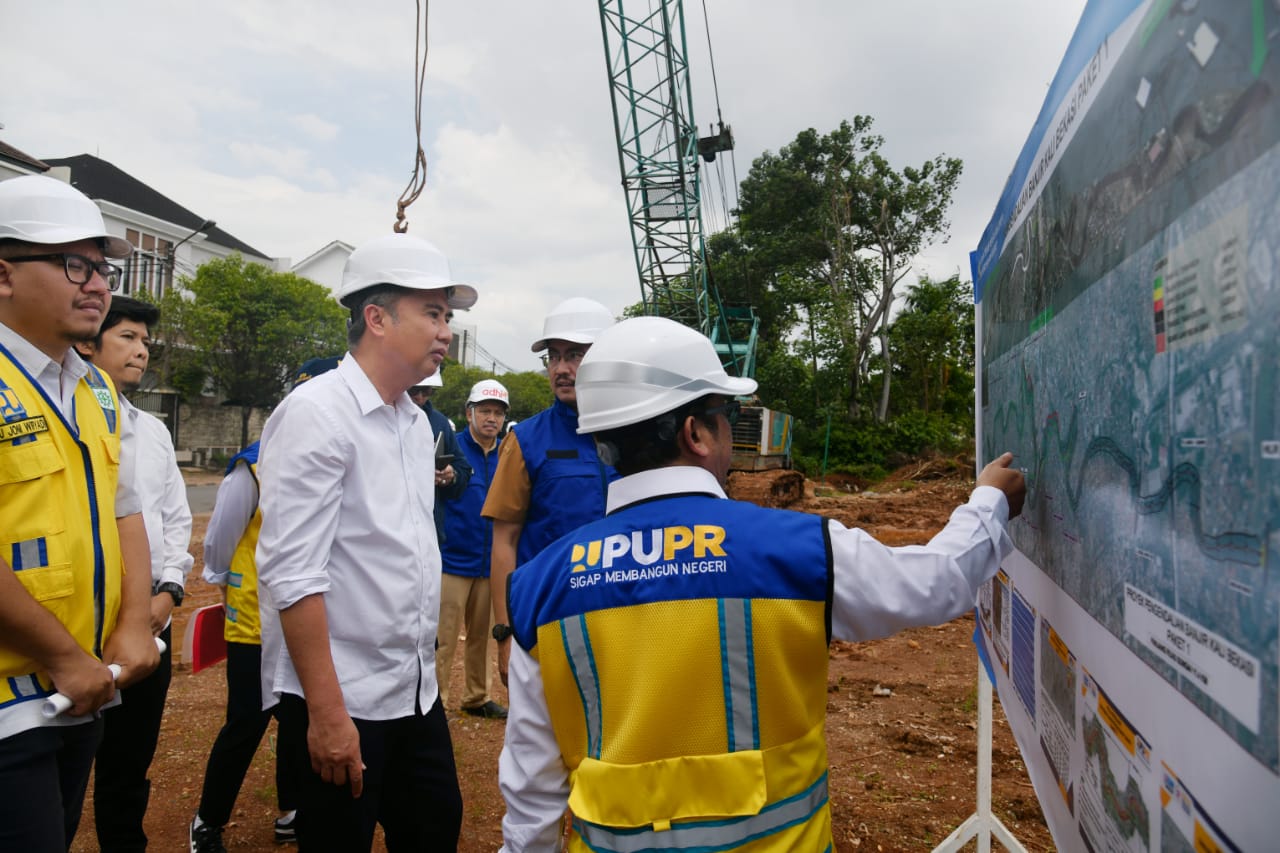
(932, 344)
(244, 329)
(869, 448)
(827, 230)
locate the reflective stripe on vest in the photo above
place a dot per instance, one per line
(739, 674)
(704, 835)
(577, 647)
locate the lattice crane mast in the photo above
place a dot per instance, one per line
(658, 155)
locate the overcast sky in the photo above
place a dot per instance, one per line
(290, 122)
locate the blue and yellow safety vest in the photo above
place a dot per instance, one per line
(242, 623)
(57, 513)
(682, 645)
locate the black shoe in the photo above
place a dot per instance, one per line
(206, 838)
(286, 829)
(490, 710)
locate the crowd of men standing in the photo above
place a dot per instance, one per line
(361, 536)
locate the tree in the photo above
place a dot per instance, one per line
(245, 329)
(833, 228)
(932, 346)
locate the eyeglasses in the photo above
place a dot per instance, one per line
(79, 269)
(573, 356)
(732, 411)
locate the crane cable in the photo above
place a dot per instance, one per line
(418, 181)
(715, 87)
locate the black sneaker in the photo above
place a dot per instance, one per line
(489, 710)
(286, 829)
(206, 838)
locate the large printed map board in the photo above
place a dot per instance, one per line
(1129, 355)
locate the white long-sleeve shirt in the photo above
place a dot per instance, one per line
(347, 513)
(165, 511)
(878, 591)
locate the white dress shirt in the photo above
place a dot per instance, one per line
(233, 509)
(59, 380)
(165, 511)
(347, 514)
(877, 591)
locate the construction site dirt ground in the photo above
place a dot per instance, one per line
(901, 715)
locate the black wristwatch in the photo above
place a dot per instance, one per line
(175, 590)
(501, 632)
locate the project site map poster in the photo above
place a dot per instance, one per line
(1128, 292)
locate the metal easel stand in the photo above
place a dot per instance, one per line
(982, 824)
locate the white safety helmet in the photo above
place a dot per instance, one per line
(46, 211)
(576, 320)
(644, 367)
(435, 380)
(404, 261)
(489, 390)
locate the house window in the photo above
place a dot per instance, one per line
(147, 270)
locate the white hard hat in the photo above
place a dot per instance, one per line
(46, 211)
(489, 390)
(576, 320)
(404, 261)
(435, 380)
(644, 367)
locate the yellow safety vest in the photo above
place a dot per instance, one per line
(682, 645)
(242, 623)
(657, 772)
(57, 513)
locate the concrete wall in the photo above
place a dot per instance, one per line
(207, 429)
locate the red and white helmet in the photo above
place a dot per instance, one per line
(488, 390)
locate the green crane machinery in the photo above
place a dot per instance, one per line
(658, 155)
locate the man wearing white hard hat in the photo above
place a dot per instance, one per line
(75, 568)
(452, 472)
(549, 478)
(349, 565)
(669, 681)
(465, 600)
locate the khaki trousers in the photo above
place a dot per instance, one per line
(465, 603)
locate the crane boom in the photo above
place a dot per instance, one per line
(658, 156)
(658, 151)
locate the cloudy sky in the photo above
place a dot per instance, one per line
(291, 122)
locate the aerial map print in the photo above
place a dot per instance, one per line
(1131, 338)
(1129, 302)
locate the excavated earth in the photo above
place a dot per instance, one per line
(901, 713)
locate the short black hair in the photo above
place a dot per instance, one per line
(386, 296)
(126, 308)
(651, 443)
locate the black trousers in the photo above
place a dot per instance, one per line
(238, 740)
(121, 788)
(43, 776)
(410, 787)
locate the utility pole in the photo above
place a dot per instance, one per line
(172, 257)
